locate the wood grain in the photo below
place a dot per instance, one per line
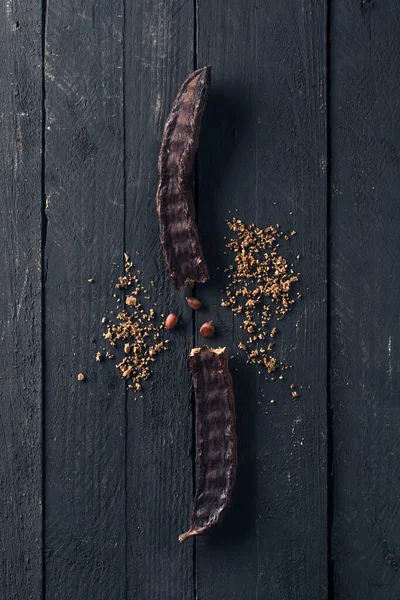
(263, 154)
(20, 299)
(84, 421)
(114, 477)
(365, 109)
(158, 57)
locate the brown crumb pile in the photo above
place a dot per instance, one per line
(259, 289)
(135, 329)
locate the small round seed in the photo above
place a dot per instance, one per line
(194, 303)
(171, 321)
(207, 329)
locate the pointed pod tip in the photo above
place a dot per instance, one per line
(188, 534)
(205, 73)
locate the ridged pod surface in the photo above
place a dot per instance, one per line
(175, 204)
(216, 438)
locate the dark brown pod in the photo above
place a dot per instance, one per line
(175, 204)
(216, 438)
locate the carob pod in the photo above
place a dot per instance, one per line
(175, 204)
(216, 438)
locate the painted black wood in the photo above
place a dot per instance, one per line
(263, 153)
(20, 301)
(84, 421)
(119, 473)
(158, 56)
(365, 278)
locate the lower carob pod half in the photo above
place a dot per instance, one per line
(216, 438)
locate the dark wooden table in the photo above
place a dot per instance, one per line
(303, 118)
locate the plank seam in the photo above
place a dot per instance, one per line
(44, 228)
(330, 565)
(196, 196)
(124, 137)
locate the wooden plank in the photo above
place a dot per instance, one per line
(85, 421)
(159, 55)
(365, 109)
(263, 152)
(20, 296)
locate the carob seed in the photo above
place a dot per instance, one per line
(171, 321)
(207, 329)
(216, 438)
(194, 303)
(175, 205)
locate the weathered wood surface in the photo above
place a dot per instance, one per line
(365, 279)
(158, 56)
(85, 425)
(260, 155)
(96, 487)
(20, 301)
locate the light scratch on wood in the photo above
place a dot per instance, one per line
(9, 9)
(21, 296)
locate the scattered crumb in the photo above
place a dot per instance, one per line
(131, 301)
(336, 190)
(295, 394)
(80, 377)
(99, 356)
(272, 401)
(259, 288)
(91, 280)
(134, 329)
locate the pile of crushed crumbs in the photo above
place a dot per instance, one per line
(260, 290)
(136, 329)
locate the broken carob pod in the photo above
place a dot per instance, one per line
(175, 204)
(216, 438)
